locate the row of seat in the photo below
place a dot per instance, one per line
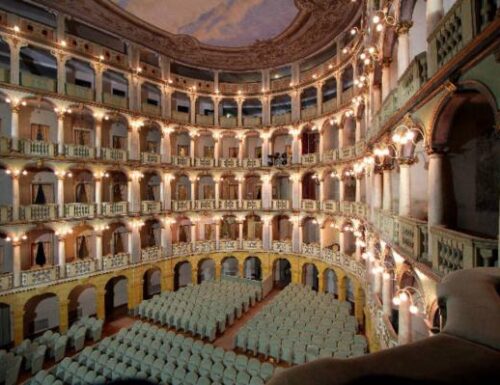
(145, 351)
(49, 344)
(202, 310)
(293, 330)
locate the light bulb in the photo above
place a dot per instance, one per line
(379, 28)
(413, 309)
(376, 19)
(353, 31)
(396, 301)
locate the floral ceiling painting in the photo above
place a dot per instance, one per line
(226, 23)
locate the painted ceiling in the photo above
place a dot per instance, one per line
(225, 23)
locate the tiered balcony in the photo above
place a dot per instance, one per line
(252, 244)
(5, 214)
(228, 244)
(115, 100)
(110, 262)
(310, 159)
(78, 151)
(39, 276)
(152, 253)
(36, 213)
(114, 154)
(80, 92)
(331, 206)
(39, 82)
(312, 249)
(347, 152)
(228, 162)
(282, 119)
(81, 267)
(79, 210)
(204, 120)
(251, 163)
(6, 281)
(180, 249)
(36, 148)
(150, 158)
(150, 207)
(181, 205)
(114, 208)
(205, 246)
(252, 204)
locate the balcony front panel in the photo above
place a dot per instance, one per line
(228, 244)
(331, 155)
(228, 204)
(282, 246)
(115, 100)
(150, 158)
(252, 244)
(310, 159)
(5, 145)
(150, 207)
(309, 205)
(347, 96)
(151, 109)
(204, 246)
(181, 205)
(413, 237)
(308, 113)
(4, 75)
(330, 105)
(82, 267)
(39, 82)
(114, 208)
(79, 210)
(181, 249)
(5, 214)
(251, 163)
(115, 261)
(204, 162)
(312, 249)
(79, 151)
(204, 120)
(252, 204)
(228, 122)
(181, 161)
(39, 276)
(114, 154)
(347, 207)
(6, 281)
(281, 119)
(205, 204)
(79, 92)
(36, 148)
(151, 253)
(180, 116)
(281, 204)
(331, 206)
(228, 162)
(36, 213)
(252, 121)
(347, 152)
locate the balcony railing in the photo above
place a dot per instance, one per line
(79, 151)
(310, 159)
(347, 207)
(181, 161)
(226, 122)
(151, 253)
(330, 105)
(204, 204)
(4, 75)
(281, 204)
(181, 205)
(205, 120)
(5, 214)
(180, 116)
(252, 244)
(6, 281)
(281, 119)
(38, 212)
(80, 92)
(204, 246)
(228, 244)
(413, 238)
(39, 82)
(114, 208)
(252, 121)
(150, 207)
(331, 206)
(150, 158)
(5, 145)
(79, 210)
(115, 100)
(204, 162)
(115, 261)
(151, 109)
(347, 152)
(114, 154)
(38, 276)
(228, 204)
(331, 155)
(36, 148)
(282, 246)
(81, 267)
(308, 112)
(309, 205)
(228, 162)
(252, 204)
(347, 96)
(453, 250)
(312, 249)
(251, 163)
(179, 249)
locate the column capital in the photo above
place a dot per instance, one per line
(386, 62)
(403, 27)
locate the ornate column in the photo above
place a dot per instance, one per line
(239, 102)
(387, 189)
(387, 294)
(266, 192)
(433, 13)
(339, 90)
(386, 77)
(167, 108)
(404, 320)
(296, 147)
(98, 248)
(240, 233)
(435, 199)
(319, 97)
(63, 315)
(217, 143)
(359, 304)
(134, 246)
(266, 110)
(167, 191)
(295, 99)
(165, 146)
(357, 132)
(61, 253)
(192, 146)
(101, 303)
(342, 241)
(60, 132)
(217, 180)
(133, 92)
(321, 144)
(192, 179)
(296, 191)
(321, 190)
(98, 118)
(377, 190)
(403, 46)
(98, 70)
(240, 180)
(404, 188)
(61, 72)
(15, 126)
(16, 262)
(192, 107)
(217, 236)
(265, 147)
(15, 46)
(15, 196)
(60, 195)
(241, 148)
(341, 137)
(342, 289)
(216, 101)
(376, 96)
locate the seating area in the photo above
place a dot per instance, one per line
(33, 353)
(202, 310)
(301, 325)
(145, 351)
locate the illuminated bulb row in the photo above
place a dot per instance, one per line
(15, 102)
(403, 138)
(16, 172)
(62, 110)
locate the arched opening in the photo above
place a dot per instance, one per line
(281, 152)
(252, 228)
(79, 134)
(151, 283)
(329, 91)
(38, 124)
(115, 239)
(230, 266)
(349, 290)
(229, 228)
(281, 109)
(252, 112)
(116, 298)
(282, 272)
(115, 138)
(331, 282)
(6, 329)
(41, 313)
(204, 111)
(282, 228)
(310, 186)
(308, 103)
(181, 144)
(310, 276)
(115, 89)
(39, 249)
(205, 146)
(252, 146)
(150, 190)
(80, 79)
(181, 106)
(347, 84)
(309, 140)
(38, 68)
(330, 136)
(253, 268)
(229, 146)
(182, 275)
(150, 143)
(82, 302)
(228, 113)
(310, 228)
(150, 99)
(206, 270)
